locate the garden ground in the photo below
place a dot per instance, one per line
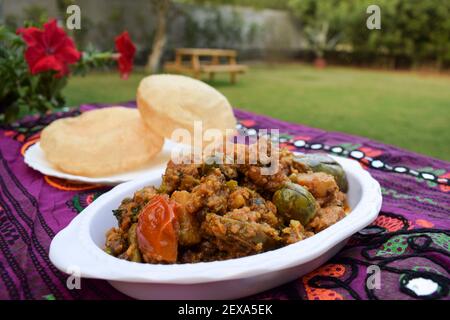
(406, 109)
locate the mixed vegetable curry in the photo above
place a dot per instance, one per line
(212, 211)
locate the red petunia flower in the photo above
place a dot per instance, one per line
(49, 49)
(127, 50)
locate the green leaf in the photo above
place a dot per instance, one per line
(11, 113)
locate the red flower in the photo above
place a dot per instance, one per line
(49, 49)
(126, 49)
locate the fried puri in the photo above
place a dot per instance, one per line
(169, 102)
(100, 142)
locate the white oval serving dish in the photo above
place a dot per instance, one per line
(80, 245)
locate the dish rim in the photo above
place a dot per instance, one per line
(98, 264)
(111, 180)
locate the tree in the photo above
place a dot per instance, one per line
(323, 22)
(415, 30)
(162, 8)
(260, 4)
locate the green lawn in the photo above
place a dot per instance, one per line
(405, 109)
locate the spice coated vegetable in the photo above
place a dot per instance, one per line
(326, 164)
(215, 211)
(156, 232)
(295, 202)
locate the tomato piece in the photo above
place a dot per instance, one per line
(156, 231)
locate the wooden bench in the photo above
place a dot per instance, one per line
(196, 66)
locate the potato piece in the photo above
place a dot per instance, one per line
(320, 184)
(326, 217)
(189, 228)
(322, 163)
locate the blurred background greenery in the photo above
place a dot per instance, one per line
(415, 33)
(405, 109)
(392, 85)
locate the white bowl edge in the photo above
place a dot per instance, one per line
(74, 247)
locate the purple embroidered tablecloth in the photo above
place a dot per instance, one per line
(409, 243)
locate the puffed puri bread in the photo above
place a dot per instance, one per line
(100, 142)
(168, 102)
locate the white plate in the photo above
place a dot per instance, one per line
(79, 247)
(35, 158)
